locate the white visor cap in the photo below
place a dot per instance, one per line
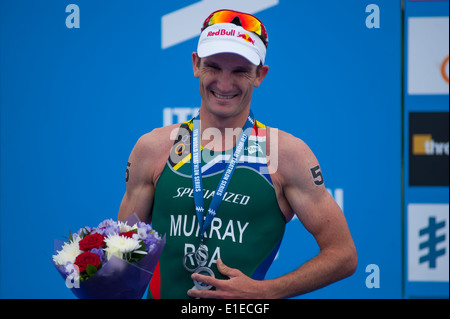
(231, 38)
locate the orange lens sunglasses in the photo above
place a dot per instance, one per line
(247, 21)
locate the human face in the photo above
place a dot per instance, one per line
(226, 83)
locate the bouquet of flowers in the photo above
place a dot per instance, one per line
(114, 260)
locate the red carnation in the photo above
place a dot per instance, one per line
(85, 259)
(128, 234)
(92, 241)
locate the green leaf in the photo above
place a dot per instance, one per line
(70, 236)
(84, 277)
(84, 233)
(135, 257)
(91, 270)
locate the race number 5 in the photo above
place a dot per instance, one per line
(317, 175)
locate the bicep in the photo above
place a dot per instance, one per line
(138, 197)
(307, 196)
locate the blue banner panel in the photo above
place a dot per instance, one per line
(81, 81)
(426, 149)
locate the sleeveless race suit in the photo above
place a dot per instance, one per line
(247, 230)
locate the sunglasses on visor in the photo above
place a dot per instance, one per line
(247, 21)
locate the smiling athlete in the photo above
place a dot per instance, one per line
(222, 186)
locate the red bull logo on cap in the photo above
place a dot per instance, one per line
(231, 33)
(221, 32)
(246, 37)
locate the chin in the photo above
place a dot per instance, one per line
(224, 111)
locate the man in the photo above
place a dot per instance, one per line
(223, 202)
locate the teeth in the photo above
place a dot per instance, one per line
(227, 97)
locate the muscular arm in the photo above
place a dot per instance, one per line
(145, 165)
(138, 197)
(307, 197)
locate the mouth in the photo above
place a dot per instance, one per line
(223, 96)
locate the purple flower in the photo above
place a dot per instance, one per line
(107, 227)
(82, 232)
(147, 235)
(99, 252)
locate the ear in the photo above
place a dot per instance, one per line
(195, 64)
(263, 70)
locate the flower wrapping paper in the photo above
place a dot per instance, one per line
(117, 278)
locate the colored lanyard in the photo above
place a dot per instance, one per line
(224, 180)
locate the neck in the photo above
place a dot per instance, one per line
(221, 133)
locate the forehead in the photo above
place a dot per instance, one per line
(229, 60)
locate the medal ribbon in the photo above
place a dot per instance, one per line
(224, 180)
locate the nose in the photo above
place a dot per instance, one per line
(225, 81)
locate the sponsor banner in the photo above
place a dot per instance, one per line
(428, 244)
(428, 149)
(428, 55)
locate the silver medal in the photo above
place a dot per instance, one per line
(200, 257)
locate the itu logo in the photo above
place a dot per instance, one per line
(428, 242)
(178, 114)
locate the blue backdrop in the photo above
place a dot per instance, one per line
(80, 84)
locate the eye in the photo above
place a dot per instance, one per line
(242, 73)
(213, 67)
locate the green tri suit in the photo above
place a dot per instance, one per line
(247, 230)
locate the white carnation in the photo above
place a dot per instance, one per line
(69, 251)
(124, 227)
(118, 246)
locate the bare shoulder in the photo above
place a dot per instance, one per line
(155, 143)
(292, 156)
(295, 172)
(151, 152)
